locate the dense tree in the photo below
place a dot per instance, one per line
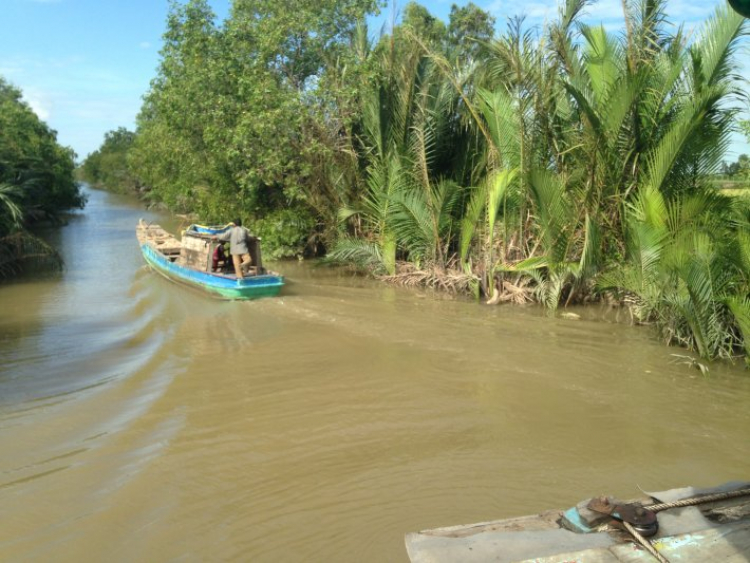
(175, 151)
(740, 168)
(560, 164)
(231, 123)
(33, 161)
(419, 21)
(108, 167)
(36, 181)
(469, 29)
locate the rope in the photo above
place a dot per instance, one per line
(645, 543)
(685, 502)
(698, 500)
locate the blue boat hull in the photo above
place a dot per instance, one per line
(225, 287)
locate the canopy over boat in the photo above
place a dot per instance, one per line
(191, 261)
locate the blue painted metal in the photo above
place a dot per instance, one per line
(573, 521)
(208, 230)
(226, 287)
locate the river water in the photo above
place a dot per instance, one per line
(142, 421)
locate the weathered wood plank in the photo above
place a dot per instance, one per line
(729, 543)
(503, 547)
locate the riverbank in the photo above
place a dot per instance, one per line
(356, 413)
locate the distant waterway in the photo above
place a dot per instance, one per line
(142, 421)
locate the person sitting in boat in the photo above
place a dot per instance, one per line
(237, 237)
(219, 258)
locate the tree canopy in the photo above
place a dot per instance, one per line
(36, 180)
(32, 162)
(108, 166)
(559, 165)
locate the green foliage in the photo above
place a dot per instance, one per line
(32, 161)
(22, 251)
(36, 183)
(232, 122)
(688, 270)
(11, 213)
(740, 168)
(742, 7)
(362, 254)
(565, 161)
(286, 233)
(469, 27)
(420, 22)
(108, 167)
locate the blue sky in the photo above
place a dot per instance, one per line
(84, 65)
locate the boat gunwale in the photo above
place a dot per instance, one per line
(216, 284)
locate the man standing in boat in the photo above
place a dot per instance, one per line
(237, 237)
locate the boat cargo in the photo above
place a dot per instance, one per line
(191, 261)
(685, 525)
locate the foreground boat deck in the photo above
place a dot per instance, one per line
(715, 531)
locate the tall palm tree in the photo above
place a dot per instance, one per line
(408, 207)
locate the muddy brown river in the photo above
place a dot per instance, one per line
(142, 421)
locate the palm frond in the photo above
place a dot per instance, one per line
(740, 309)
(413, 224)
(362, 253)
(717, 43)
(557, 221)
(22, 250)
(10, 212)
(471, 219)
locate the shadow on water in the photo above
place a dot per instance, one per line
(73, 330)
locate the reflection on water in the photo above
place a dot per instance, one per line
(142, 421)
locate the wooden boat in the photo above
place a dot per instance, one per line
(190, 261)
(687, 525)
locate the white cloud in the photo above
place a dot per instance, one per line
(40, 104)
(144, 45)
(503, 9)
(77, 99)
